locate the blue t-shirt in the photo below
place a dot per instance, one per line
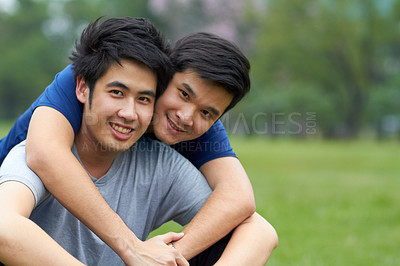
(60, 95)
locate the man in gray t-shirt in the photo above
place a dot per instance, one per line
(147, 185)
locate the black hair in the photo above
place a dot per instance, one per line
(102, 44)
(215, 59)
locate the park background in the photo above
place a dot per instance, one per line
(319, 132)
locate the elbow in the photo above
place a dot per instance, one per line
(267, 233)
(42, 162)
(42, 156)
(251, 206)
(274, 237)
(247, 203)
(270, 234)
(240, 199)
(36, 159)
(247, 208)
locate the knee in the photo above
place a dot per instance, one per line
(267, 230)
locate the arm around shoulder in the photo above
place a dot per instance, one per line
(48, 151)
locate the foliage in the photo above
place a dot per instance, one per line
(337, 60)
(336, 49)
(28, 59)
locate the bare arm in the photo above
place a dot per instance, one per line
(48, 152)
(22, 242)
(252, 243)
(231, 202)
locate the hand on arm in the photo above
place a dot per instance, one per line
(22, 242)
(231, 202)
(155, 251)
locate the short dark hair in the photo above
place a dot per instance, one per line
(102, 44)
(215, 59)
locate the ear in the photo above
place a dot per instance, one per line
(82, 90)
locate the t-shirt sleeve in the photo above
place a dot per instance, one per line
(188, 189)
(14, 168)
(211, 145)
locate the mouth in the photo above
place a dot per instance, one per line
(174, 126)
(121, 132)
(120, 129)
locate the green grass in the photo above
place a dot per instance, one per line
(331, 202)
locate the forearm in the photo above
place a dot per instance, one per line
(220, 214)
(22, 242)
(231, 202)
(252, 243)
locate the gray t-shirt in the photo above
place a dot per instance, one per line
(147, 186)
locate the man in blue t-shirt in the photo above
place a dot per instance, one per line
(211, 77)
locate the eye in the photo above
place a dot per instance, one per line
(206, 113)
(184, 94)
(117, 92)
(145, 99)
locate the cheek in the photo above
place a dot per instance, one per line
(169, 101)
(203, 125)
(146, 114)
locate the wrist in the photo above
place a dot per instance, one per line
(182, 247)
(127, 247)
(125, 243)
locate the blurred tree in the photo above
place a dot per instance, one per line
(28, 59)
(230, 19)
(333, 49)
(37, 37)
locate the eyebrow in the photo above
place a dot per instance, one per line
(189, 89)
(193, 94)
(121, 85)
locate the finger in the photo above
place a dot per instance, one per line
(171, 236)
(181, 261)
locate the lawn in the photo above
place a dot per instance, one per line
(331, 202)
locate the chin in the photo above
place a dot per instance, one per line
(168, 141)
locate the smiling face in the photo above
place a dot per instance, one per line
(188, 108)
(121, 108)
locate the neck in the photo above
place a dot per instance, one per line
(96, 159)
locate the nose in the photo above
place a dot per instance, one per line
(128, 110)
(185, 115)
